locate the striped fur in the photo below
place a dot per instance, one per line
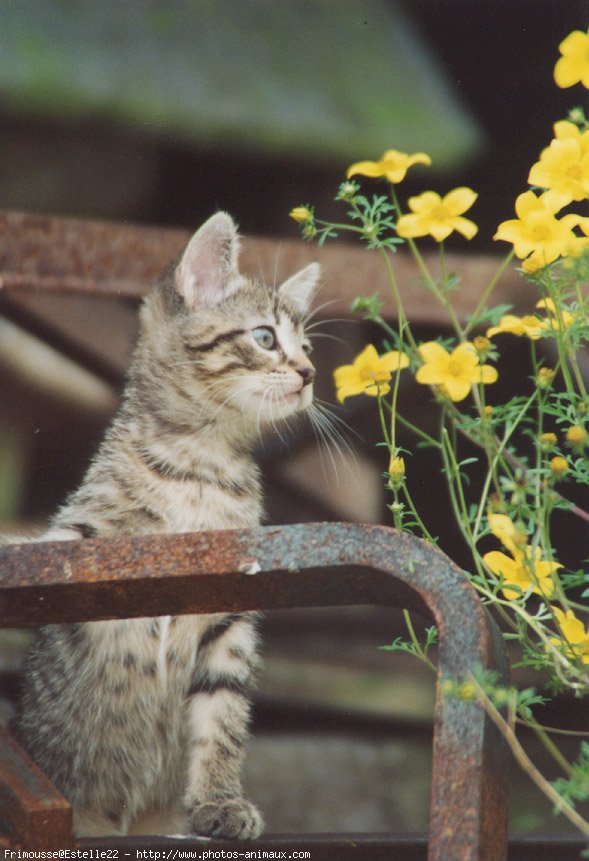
(142, 723)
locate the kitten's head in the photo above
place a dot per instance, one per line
(225, 342)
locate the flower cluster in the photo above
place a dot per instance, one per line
(534, 446)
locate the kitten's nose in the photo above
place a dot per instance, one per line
(307, 372)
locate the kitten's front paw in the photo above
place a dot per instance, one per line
(234, 819)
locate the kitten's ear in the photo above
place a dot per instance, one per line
(207, 273)
(301, 286)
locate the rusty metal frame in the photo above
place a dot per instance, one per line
(302, 565)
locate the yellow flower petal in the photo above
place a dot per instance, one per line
(457, 389)
(365, 168)
(500, 564)
(409, 227)
(424, 202)
(506, 531)
(528, 325)
(488, 374)
(460, 199)
(393, 360)
(466, 227)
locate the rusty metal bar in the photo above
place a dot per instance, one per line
(28, 798)
(298, 566)
(109, 259)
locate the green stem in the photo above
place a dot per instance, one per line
(403, 322)
(549, 745)
(426, 275)
(418, 649)
(498, 455)
(426, 533)
(526, 763)
(417, 431)
(487, 293)
(383, 424)
(431, 284)
(351, 228)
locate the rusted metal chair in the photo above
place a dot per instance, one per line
(296, 566)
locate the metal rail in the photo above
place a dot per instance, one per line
(274, 567)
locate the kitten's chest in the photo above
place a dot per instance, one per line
(195, 483)
(192, 506)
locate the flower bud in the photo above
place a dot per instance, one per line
(576, 437)
(481, 344)
(348, 191)
(396, 472)
(545, 378)
(547, 441)
(301, 214)
(558, 467)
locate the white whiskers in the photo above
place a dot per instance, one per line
(328, 429)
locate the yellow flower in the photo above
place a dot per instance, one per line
(524, 570)
(536, 231)
(438, 216)
(563, 168)
(456, 372)
(301, 214)
(393, 165)
(369, 374)
(573, 65)
(575, 637)
(529, 326)
(507, 532)
(576, 437)
(558, 466)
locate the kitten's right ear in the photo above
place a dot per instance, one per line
(207, 273)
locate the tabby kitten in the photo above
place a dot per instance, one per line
(142, 723)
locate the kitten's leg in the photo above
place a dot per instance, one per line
(218, 716)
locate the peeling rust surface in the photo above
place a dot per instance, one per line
(297, 566)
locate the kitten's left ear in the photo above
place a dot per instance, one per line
(301, 286)
(207, 273)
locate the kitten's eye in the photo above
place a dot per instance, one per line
(265, 337)
(307, 348)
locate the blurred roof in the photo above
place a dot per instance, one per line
(328, 78)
